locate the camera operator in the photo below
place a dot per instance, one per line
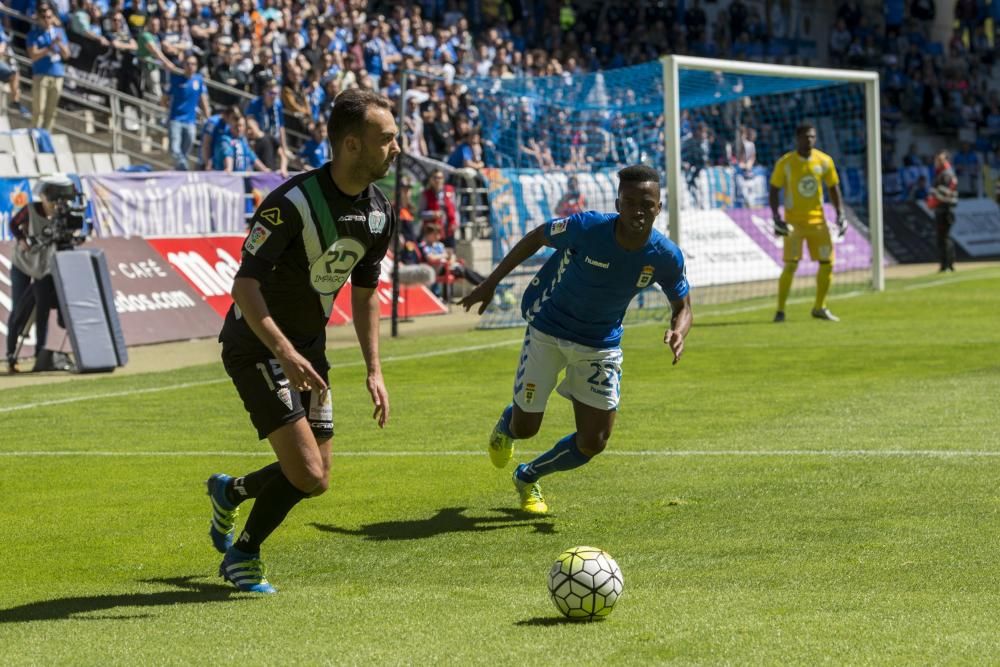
(41, 229)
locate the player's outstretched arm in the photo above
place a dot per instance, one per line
(522, 250)
(299, 372)
(680, 324)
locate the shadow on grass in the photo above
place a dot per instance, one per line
(190, 591)
(742, 323)
(548, 621)
(447, 520)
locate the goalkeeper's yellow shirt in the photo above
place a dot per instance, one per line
(801, 177)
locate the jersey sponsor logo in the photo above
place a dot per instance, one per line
(558, 226)
(645, 277)
(256, 238)
(272, 215)
(808, 185)
(329, 273)
(594, 262)
(321, 410)
(351, 217)
(529, 393)
(376, 221)
(285, 394)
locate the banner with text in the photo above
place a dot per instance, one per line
(168, 203)
(209, 263)
(154, 305)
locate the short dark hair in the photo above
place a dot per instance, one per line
(347, 116)
(639, 173)
(804, 127)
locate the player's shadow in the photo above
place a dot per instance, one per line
(740, 323)
(59, 609)
(447, 520)
(548, 621)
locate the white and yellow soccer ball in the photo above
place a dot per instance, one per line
(585, 583)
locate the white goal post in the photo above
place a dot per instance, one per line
(672, 65)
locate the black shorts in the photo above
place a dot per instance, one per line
(272, 403)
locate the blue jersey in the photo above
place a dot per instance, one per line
(51, 64)
(185, 94)
(315, 153)
(582, 292)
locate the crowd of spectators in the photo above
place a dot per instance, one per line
(290, 58)
(946, 87)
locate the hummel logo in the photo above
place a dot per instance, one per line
(594, 262)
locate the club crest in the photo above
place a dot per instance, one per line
(376, 221)
(645, 277)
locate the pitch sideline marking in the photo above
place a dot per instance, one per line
(438, 353)
(689, 453)
(201, 383)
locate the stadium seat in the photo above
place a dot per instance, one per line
(102, 163)
(7, 165)
(24, 163)
(65, 162)
(60, 144)
(84, 164)
(4, 124)
(120, 160)
(6, 145)
(46, 163)
(23, 145)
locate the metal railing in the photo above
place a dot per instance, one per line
(114, 120)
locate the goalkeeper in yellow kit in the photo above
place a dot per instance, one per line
(802, 173)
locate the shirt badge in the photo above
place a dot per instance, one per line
(645, 277)
(376, 221)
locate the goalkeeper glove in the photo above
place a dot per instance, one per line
(780, 227)
(841, 225)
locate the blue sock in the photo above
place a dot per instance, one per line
(504, 423)
(564, 456)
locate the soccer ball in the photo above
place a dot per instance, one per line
(585, 583)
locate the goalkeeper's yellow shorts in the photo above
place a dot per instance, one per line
(817, 237)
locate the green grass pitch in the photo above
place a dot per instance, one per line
(802, 493)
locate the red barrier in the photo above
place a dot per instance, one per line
(209, 263)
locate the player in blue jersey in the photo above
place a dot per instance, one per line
(574, 308)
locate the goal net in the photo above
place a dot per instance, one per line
(559, 142)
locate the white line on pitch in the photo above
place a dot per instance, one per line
(737, 453)
(948, 281)
(185, 385)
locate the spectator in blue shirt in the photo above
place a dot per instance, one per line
(469, 153)
(187, 93)
(47, 48)
(206, 149)
(234, 153)
(213, 134)
(315, 152)
(266, 116)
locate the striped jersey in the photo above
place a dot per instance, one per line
(802, 179)
(306, 239)
(582, 291)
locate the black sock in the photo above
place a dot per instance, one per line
(249, 486)
(273, 504)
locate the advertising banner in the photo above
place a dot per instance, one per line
(166, 203)
(977, 227)
(154, 304)
(209, 263)
(852, 252)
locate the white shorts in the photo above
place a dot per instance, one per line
(593, 375)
